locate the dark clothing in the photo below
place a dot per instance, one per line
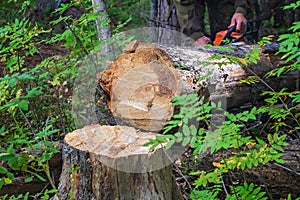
(191, 13)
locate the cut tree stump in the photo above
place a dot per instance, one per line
(143, 80)
(110, 162)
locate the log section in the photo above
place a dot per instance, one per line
(143, 80)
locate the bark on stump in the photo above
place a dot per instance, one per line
(143, 80)
(110, 162)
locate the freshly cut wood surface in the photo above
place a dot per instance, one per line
(111, 141)
(141, 84)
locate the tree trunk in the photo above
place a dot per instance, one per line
(143, 80)
(110, 162)
(103, 27)
(163, 14)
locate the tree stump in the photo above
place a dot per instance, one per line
(110, 162)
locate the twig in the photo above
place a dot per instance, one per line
(286, 168)
(178, 170)
(254, 126)
(184, 177)
(224, 186)
(27, 121)
(265, 125)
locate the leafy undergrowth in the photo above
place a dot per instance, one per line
(38, 68)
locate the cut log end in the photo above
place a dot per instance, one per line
(141, 84)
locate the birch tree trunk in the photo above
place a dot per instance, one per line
(103, 27)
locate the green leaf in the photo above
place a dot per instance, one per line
(252, 116)
(7, 181)
(249, 164)
(3, 170)
(185, 141)
(160, 139)
(28, 179)
(256, 191)
(193, 130)
(23, 105)
(277, 147)
(40, 177)
(297, 97)
(14, 164)
(186, 130)
(12, 82)
(243, 165)
(1, 182)
(178, 135)
(270, 138)
(33, 93)
(275, 137)
(280, 161)
(25, 77)
(170, 144)
(213, 104)
(11, 103)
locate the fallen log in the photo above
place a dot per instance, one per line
(278, 180)
(143, 80)
(110, 162)
(19, 186)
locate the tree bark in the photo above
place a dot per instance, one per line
(110, 162)
(103, 27)
(143, 80)
(163, 14)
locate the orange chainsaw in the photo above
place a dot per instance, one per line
(231, 36)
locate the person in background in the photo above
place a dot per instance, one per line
(222, 14)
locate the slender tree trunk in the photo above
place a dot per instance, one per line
(103, 28)
(163, 14)
(153, 13)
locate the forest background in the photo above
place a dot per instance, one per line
(41, 50)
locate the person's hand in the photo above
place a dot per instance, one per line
(202, 41)
(238, 19)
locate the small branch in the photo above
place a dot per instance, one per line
(286, 168)
(224, 186)
(178, 170)
(27, 121)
